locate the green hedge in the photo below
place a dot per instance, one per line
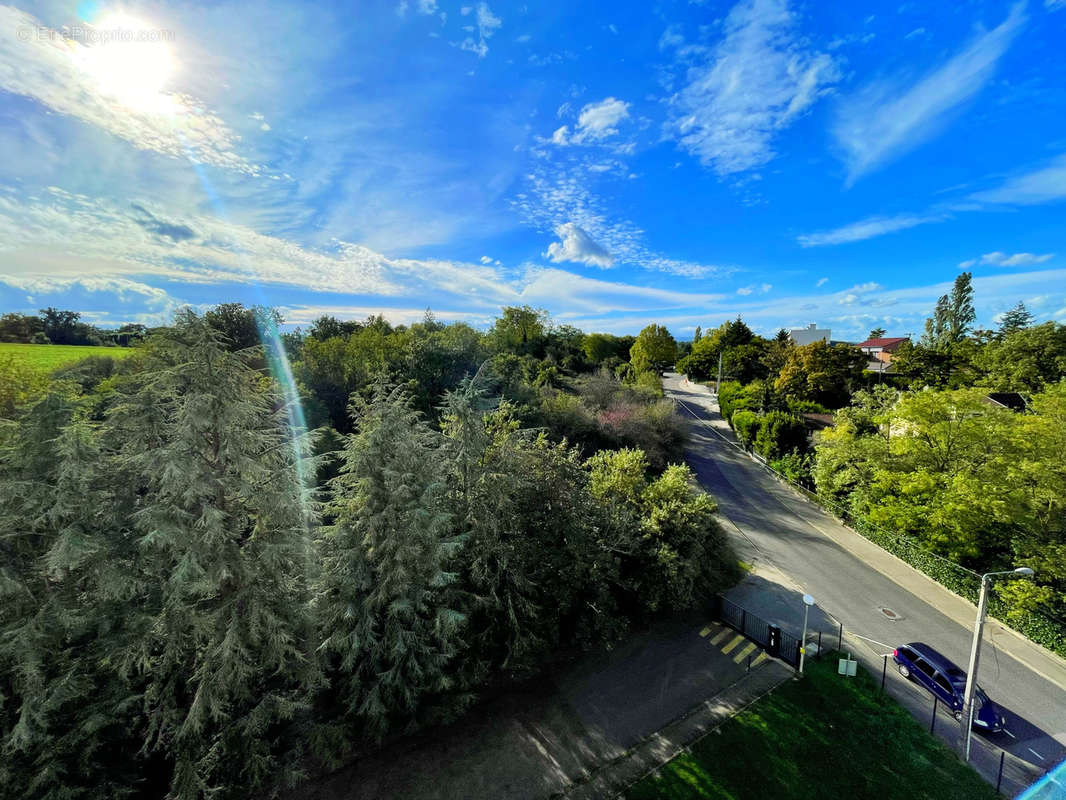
(780, 433)
(747, 425)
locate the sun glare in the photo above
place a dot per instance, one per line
(130, 61)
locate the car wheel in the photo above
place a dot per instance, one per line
(906, 673)
(958, 716)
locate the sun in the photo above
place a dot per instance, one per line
(131, 62)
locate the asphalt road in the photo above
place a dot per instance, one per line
(784, 535)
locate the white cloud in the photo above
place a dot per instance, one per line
(909, 307)
(57, 73)
(62, 234)
(487, 25)
(887, 119)
(672, 38)
(55, 241)
(821, 282)
(577, 246)
(557, 197)
(1044, 185)
(308, 313)
(1054, 5)
(867, 229)
(104, 299)
(758, 80)
(967, 263)
(998, 259)
(749, 290)
(915, 33)
(597, 121)
(560, 289)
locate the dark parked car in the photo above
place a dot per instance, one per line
(945, 680)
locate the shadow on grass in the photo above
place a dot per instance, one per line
(822, 736)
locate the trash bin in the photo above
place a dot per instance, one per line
(773, 640)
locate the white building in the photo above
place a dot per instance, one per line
(812, 333)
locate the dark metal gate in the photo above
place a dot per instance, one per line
(758, 630)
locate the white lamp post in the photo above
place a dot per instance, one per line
(808, 601)
(975, 649)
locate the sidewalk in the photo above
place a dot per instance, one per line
(1036, 658)
(541, 738)
(614, 778)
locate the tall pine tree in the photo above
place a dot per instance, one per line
(387, 603)
(1014, 320)
(69, 719)
(222, 527)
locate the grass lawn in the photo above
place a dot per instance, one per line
(823, 736)
(46, 357)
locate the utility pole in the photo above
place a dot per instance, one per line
(718, 386)
(975, 649)
(808, 601)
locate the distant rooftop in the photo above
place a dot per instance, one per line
(885, 341)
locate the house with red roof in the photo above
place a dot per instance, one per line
(881, 351)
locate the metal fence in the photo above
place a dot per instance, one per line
(1008, 773)
(770, 637)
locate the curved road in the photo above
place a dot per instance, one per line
(796, 548)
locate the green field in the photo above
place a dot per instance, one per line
(823, 736)
(47, 357)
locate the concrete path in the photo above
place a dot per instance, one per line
(662, 746)
(798, 548)
(556, 732)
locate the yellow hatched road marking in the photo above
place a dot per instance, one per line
(721, 635)
(706, 630)
(742, 653)
(759, 659)
(729, 647)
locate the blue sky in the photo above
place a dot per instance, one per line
(616, 165)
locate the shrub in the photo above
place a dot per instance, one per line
(799, 407)
(654, 428)
(746, 424)
(780, 433)
(651, 382)
(727, 395)
(18, 384)
(797, 467)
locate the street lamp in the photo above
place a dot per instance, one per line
(808, 601)
(975, 648)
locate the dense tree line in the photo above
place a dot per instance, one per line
(57, 326)
(199, 599)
